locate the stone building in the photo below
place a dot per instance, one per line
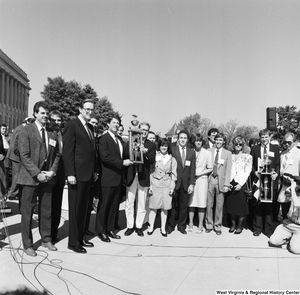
(14, 92)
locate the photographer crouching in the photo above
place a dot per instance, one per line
(289, 230)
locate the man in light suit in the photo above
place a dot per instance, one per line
(186, 171)
(79, 158)
(39, 159)
(218, 184)
(263, 212)
(111, 155)
(289, 165)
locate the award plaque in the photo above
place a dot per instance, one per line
(135, 141)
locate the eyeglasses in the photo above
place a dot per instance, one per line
(288, 142)
(89, 110)
(238, 144)
(146, 130)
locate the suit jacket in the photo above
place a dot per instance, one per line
(185, 174)
(14, 142)
(143, 169)
(292, 166)
(111, 162)
(224, 167)
(78, 151)
(274, 157)
(33, 156)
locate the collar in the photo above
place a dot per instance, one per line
(39, 126)
(112, 135)
(84, 123)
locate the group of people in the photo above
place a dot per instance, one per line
(190, 181)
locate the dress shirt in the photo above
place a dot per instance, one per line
(114, 137)
(40, 131)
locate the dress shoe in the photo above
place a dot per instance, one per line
(238, 231)
(77, 249)
(129, 231)
(232, 230)
(49, 246)
(208, 230)
(218, 232)
(112, 235)
(183, 231)
(163, 234)
(139, 232)
(104, 238)
(256, 234)
(170, 230)
(150, 232)
(87, 244)
(89, 233)
(30, 252)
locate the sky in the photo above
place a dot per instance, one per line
(162, 59)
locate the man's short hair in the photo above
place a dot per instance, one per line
(291, 134)
(56, 113)
(85, 101)
(183, 132)
(3, 125)
(40, 104)
(264, 132)
(220, 135)
(111, 116)
(212, 130)
(197, 137)
(145, 123)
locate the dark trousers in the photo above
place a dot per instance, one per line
(107, 208)
(14, 188)
(28, 201)
(78, 196)
(263, 218)
(57, 196)
(179, 204)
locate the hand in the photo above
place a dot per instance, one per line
(171, 192)
(225, 189)
(190, 189)
(143, 149)
(150, 191)
(274, 175)
(237, 187)
(96, 175)
(71, 180)
(127, 162)
(257, 173)
(42, 177)
(2, 157)
(49, 174)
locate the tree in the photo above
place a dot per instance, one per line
(66, 96)
(195, 124)
(288, 120)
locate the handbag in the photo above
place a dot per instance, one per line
(248, 191)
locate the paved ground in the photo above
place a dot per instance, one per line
(179, 264)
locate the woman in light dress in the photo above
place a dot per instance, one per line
(235, 201)
(198, 199)
(162, 184)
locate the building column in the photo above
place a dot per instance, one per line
(2, 94)
(7, 90)
(11, 101)
(18, 96)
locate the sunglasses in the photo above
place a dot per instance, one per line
(238, 144)
(288, 142)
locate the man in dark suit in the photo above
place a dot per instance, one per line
(111, 154)
(79, 158)
(186, 170)
(56, 124)
(39, 159)
(212, 132)
(137, 180)
(263, 212)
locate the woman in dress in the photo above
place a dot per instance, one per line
(236, 201)
(162, 184)
(198, 199)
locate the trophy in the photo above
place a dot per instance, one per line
(135, 141)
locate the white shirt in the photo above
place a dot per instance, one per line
(119, 143)
(40, 131)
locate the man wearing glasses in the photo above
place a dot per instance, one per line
(263, 212)
(137, 179)
(79, 161)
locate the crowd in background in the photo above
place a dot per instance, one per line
(195, 184)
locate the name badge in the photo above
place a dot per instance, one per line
(52, 142)
(158, 158)
(221, 161)
(290, 162)
(271, 154)
(187, 163)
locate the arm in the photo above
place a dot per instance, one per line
(192, 174)
(227, 172)
(105, 154)
(173, 176)
(295, 198)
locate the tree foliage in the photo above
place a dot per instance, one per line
(288, 120)
(66, 96)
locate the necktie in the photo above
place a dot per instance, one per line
(183, 157)
(44, 138)
(215, 168)
(89, 131)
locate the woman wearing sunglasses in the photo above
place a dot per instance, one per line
(236, 202)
